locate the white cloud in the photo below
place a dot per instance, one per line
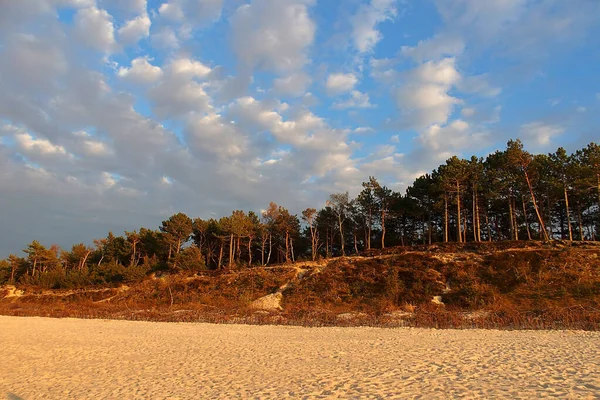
(188, 68)
(356, 100)
(213, 135)
(480, 85)
(486, 18)
(364, 23)
(424, 98)
(340, 83)
(122, 7)
(295, 84)
(141, 71)
(42, 146)
(522, 28)
(432, 49)
(363, 130)
(95, 28)
(135, 29)
(32, 61)
(165, 38)
(467, 112)
(456, 136)
(179, 92)
(95, 148)
(539, 133)
(193, 11)
(273, 34)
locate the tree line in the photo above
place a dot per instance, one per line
(509, 195)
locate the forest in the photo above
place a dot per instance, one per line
(508, 195)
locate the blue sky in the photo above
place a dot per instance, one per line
(115, 114)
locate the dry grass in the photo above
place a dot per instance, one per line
(517, 285)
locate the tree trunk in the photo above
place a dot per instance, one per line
(458, 218)
(221, 253)
(132, 255)
(475, 213)
(13, 270)
(478, 217)
(580, 220)
(598, 188)
(312, 243)
(535, 206)
(465, 228)
(526, 219)
(370, 223)
(292, 249)
(383, 228)
(270, 247)
(355, 244)
(230, 250)
(430, 228)
(510, 214)
(445, 217)
(341, 224)
(287, 246)
(489, 227)
(263, 242)
(250, 251)
(568, 214)
(517, 225)
(82, 263)
(327, 243)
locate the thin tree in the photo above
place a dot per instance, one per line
(522, 160)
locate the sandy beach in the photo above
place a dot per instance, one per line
(90, 359)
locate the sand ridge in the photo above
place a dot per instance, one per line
(46, 358)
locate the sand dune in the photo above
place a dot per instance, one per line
(92, 359)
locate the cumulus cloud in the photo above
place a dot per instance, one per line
(423, 97)
(295, 84)
(479, 84)
(340, 83)
(30, 144)
(539, 133)
(357, 100)
(364, 23)
(32, 61)
(95, 28)
(135, 29)
(141, 71)
(433, 49)
(192, 11)
(273, 35)
(521, 28)
(128, 7)
(165, 38)
(455, 136)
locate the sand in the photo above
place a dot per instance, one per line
(95, 359)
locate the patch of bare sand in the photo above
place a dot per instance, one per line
(92, 359)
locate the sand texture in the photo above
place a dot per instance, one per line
(94, 359)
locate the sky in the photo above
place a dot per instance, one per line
(116, 114)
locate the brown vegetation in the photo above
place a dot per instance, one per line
(502, 285)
